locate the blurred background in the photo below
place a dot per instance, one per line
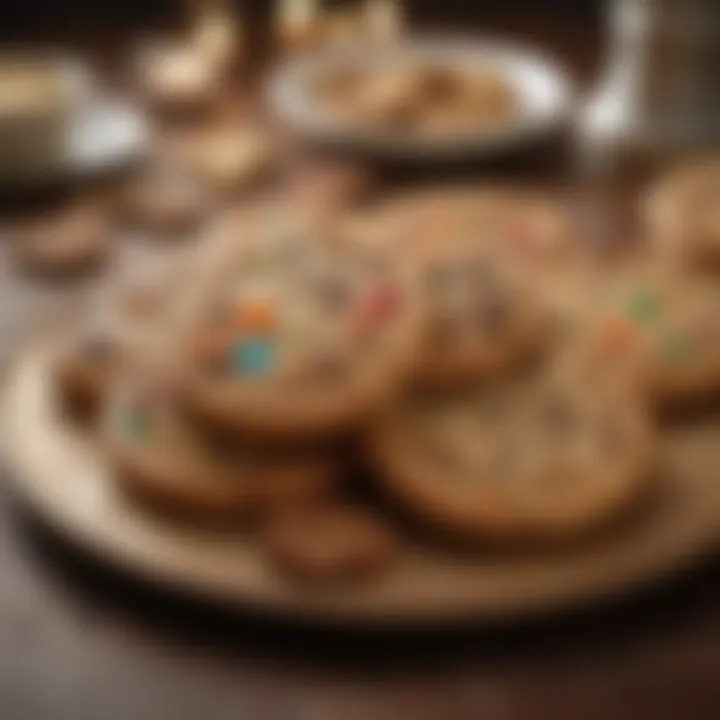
(80, 643)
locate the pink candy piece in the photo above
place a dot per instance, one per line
(527, 241)
(377, 304)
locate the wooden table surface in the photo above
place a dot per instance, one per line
(79, 642)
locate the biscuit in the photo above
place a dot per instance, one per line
(304, 332)
(330, 545)
(73, 241)
(528, 459)
(230, 158)
(178, 79)
(123, 319)
(165, 199)
(682, 217)
(669, 321)
(418, 97)
(330, 186)
(167, 464)
(84, 369)
(491, 262)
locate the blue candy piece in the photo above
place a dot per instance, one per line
(253, 356)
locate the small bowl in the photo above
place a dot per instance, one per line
(543, 88)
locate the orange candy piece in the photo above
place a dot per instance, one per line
(619, 334)
(256, 315)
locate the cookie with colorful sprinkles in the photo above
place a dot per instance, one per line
(672, 324)
(485, 257)
(304, 331)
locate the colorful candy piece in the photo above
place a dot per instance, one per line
(378, 303)
(643, 307)
(135, 425)
(618, 334)
(257, 315)
(254, 356)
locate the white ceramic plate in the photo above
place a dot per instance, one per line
(58, 473)
(544, 88)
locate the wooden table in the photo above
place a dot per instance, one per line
(80, 643)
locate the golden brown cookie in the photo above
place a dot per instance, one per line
(74, 240)
(166, 199)
(524, 460)
(170, 466)
(670, 324)
(330, 544)
(230, 158)
(489, 260)
(304, 331)
(84, 369)
(682, 215)
(178, 78)
(420, 97)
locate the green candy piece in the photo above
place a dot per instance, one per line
(136, 425)
(679, 348)
(644, 307)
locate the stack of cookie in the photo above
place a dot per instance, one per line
(287, 335)
(428, 339)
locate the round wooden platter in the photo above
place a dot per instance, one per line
(58, 473)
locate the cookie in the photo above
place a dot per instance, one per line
(384, 20)
(428, 98)
(330, 186)
(84, 370)
(534, 231)
(487, 259)
(123, 321)
(330, 544)
(230, 158)
(217, 37)
(526, 460)
(168, 465)
(682, 217)
(304, 331)
(671, 324)
(72, 241)
(166, 199)
(178, 79)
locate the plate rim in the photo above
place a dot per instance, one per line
(294, 604)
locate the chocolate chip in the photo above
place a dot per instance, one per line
(445, 330)
(331, 367)
(334, 294)
(493, 316)
(440, 278)
(481, 272)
